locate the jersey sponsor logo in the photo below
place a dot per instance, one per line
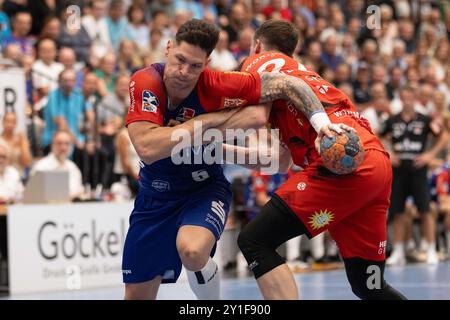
(132, 98)
(185, 114)
(218, 209)
(232, 102)
(160, 185)
(382, 247)
(301, 186)
(150, 102)
(320, 219)
(200, 175)
(126, 271)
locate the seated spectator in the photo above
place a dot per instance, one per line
(138, 27)
(65, 110)
(11, 188)
(110, 115)
(46, 70)
(20, 153)
(117, 23)
(21, 26)
(51, 28)
(106, 74)
(129, 60)
(127, 161)
(96, 26)
(276, 6)
(5, 29)
(242, 50)
(58, 160)
(76, 38)
(67, 58)
(221, 58)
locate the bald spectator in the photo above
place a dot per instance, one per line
(12, 52)
(21, 27)
(67, 58)
(58, 160)
(424, 103)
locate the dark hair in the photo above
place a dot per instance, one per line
(278, 35)
(198, 33)
(134, 8)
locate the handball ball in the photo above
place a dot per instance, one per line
(342, 153)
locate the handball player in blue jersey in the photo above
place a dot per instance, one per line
(181, 209)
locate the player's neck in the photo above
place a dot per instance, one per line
(175, 98)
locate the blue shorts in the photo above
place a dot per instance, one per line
(150, 246)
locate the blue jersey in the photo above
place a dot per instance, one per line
(188, 170)
(173, 192)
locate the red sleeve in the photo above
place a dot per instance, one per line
(147, 97)
(218, 90)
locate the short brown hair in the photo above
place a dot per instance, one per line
(198, 33)
(278, 35)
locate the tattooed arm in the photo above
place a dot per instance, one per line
(281, 86)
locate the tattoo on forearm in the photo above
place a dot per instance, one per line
(280, 86)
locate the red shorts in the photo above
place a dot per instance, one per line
(353, 208)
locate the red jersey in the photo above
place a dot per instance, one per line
(295, 130)
(214, 91)
(443, 183)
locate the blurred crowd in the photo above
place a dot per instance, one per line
(78, 56)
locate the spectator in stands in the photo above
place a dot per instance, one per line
(97, 28)
(21, 26)
(106, 74)
(129, 60)
(46, 70)
(236, 22)
(19, 147)
(110, 115)
(67, 58)
(11, 188)
(51, 29)
(5, 29)
(66, 110)
(126, 163)
(58, 160)
(330, 57)
(221, 58)
(117, 24)
(242, 50)
(76, 38)
(138, 27)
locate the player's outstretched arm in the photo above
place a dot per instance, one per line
(153, 142)
(267, 153)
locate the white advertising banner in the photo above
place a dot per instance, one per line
(13, 95)
(66, 247)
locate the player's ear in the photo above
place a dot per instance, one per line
(208, 60)
(168, 47)
(258, 46)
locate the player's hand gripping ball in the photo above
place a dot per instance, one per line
(342, 153)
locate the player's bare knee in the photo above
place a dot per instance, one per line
(193, 258)
(135, 292)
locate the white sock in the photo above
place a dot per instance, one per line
(410, 245)
(206, 282)
(293, 248)
(318, 246)
(399, 249)
(431, 247)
